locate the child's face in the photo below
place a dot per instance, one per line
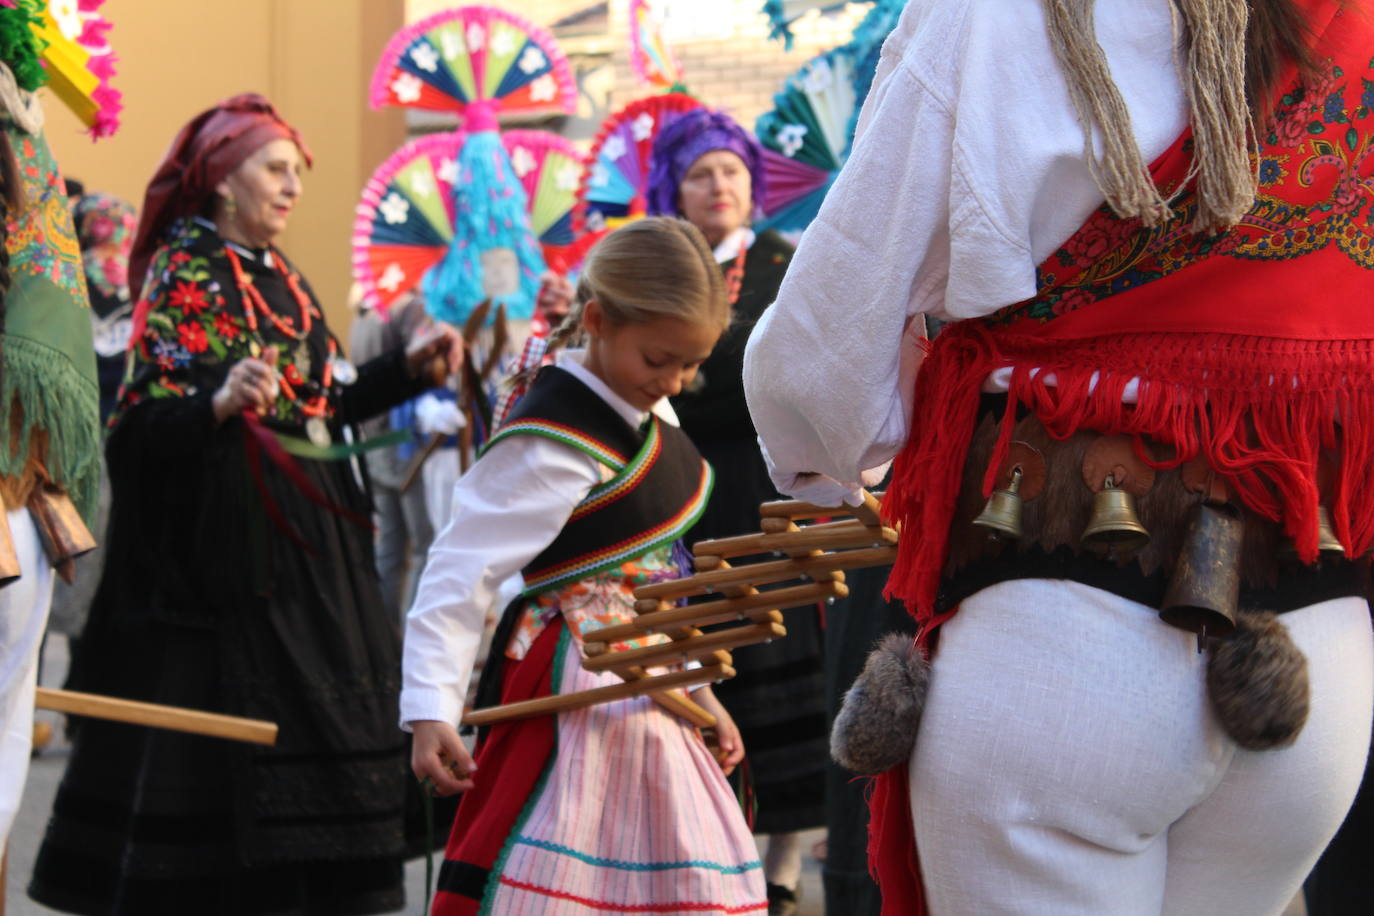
(646, 361)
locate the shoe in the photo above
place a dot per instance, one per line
(782, 901)
(42, 734)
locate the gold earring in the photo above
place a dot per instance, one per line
(231, 209)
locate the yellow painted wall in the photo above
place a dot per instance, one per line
(313, 58)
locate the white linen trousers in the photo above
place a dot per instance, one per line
(24, 608)
(1068, 762)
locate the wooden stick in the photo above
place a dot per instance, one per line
(543, 706)
(418, 461)
(867, 512)
(725, 610)
(154, 715)
(703, 583)
(683, 649)
(814, 537)
(676, 702)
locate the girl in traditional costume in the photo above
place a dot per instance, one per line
(709, 170)
(1149, 225)
(587, 491)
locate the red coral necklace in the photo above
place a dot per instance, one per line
(290, 378)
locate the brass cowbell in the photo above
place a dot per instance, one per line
(1114, 525)
(1002, 514)
(1204, 590)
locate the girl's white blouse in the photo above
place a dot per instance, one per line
(507, 508)
(966, 173)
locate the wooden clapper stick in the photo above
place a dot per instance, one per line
(154, 715)
(810, 571)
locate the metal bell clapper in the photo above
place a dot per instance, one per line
(1002, 514)
(1204, 590)
(1114, 525)
(1327, 542)
(1328, 545)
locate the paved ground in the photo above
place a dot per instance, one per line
(46, 773)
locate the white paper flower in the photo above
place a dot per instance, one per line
(477, 37)
(600, 177)
(819, 77)
(448, 171)
(596, 221)
(394, 208)
(643, 126)
(790, 138)
(406, 87)
(565, 179)
(613, 148)
(532, 61)
(391, 278)
(422, 184)
(425, 57)
(523, 161)
(67, 15)
(502, 43)
(451, 44)
(544, 89)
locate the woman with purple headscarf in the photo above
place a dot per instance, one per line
(709, 170)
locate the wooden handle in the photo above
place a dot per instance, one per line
(154, 715)
(756, 607)
(543, 706)
(418, 461)
(765, 573)
(676, 701)
(682, 649)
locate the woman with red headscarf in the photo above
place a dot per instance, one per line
(239, 574)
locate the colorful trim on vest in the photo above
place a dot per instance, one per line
(613, 555)
(567, 435)
(628, 478)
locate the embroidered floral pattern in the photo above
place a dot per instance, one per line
(194, 330)
(603, 600)
(41, 240)
(105, 227)
(1315, 182)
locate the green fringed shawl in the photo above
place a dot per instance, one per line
(49, 357)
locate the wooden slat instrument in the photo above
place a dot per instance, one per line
(808, 570)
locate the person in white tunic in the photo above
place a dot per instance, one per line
(1068, 758)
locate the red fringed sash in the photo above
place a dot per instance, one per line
(1254, 348)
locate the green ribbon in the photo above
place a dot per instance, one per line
(341, 451)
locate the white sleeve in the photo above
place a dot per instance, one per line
(507, 508)
(823, 365)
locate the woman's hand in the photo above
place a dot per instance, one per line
(555, 297)
(251, 385)
(439, 759)
(435, 352)
(728, 740)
